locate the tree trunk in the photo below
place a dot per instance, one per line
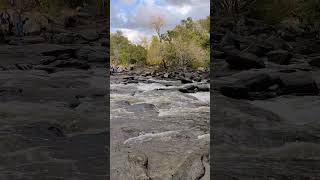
(164, 63)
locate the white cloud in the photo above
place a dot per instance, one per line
(135, 36)
(123, 17)
(185, 9)
(137, 20)
(178, 2)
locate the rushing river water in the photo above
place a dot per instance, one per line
(160, 122)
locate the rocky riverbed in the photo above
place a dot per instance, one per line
(266, 101)
(53, 112)
(159, 127)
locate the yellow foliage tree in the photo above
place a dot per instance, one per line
(154, 52)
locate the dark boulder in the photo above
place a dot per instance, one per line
(250, 86)
(288, 36)
(74, 103)
(233, 39)
(277, 43)
(256, 82)
(298, 83)
(235, 91)
(185, 80)
(70, 21)
(282, 57)
(244, 61)
(315, 61)
(192, 88)
(256, 50)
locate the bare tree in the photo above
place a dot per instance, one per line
(157, 23)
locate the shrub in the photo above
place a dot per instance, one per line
(185, 54)
(154, 56)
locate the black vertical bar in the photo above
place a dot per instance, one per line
(107, 3)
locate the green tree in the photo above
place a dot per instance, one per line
(123, 52)
(188, 44)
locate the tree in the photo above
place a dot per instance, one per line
(123, 52)
(154, 56)
(187, 45)
(118, 43)
(157, 23)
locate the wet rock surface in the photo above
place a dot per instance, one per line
(157, 131)
(53, 108)
(264, 118)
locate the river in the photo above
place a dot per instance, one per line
(157, 131)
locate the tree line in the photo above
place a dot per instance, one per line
(51, 6)
(186, 46)
(271, 11)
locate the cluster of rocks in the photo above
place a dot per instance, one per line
(261, 85)
(117, 69)
(264, 61)
(185, 81)
(53, 105)
(265, 81)
(79, 58)
(185, 76)
(55, 58)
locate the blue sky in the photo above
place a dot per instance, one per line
(133, 17)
